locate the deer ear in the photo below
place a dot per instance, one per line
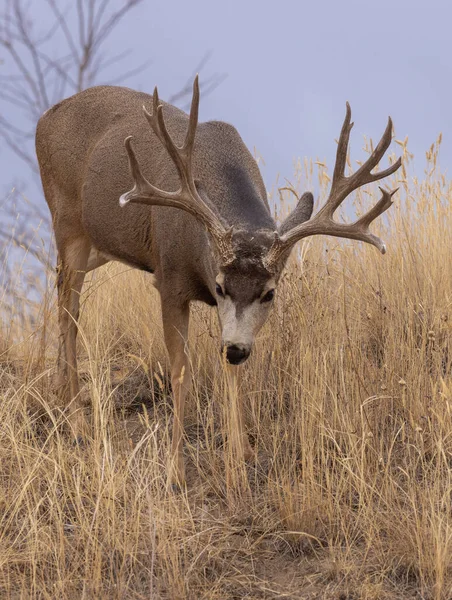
(301, 213)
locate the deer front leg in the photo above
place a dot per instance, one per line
(239, 440)
(175, 326)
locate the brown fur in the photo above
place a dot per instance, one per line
(84, 170)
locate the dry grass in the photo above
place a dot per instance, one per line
(349, 403)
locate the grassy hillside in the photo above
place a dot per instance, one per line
(349, 406)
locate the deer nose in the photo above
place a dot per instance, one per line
(236, 354)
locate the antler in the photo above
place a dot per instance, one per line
(342, 186)
(186, 197)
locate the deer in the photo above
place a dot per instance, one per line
(203, 227)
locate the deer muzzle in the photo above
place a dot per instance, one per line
(236, 354)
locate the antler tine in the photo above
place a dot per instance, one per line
(376, 156)
(139, 179)
(364, 175)
(142, 188)
(342, 186)
(158, 125)
(152, 118)
(143, 192)
(187, 197)
(181, 156)
(193, 120)
(342, 146)
(360, 229)
(382, 205)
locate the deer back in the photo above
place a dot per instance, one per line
(84, 168)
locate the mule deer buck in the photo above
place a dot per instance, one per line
(203, 226)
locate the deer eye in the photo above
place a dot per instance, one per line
(219, 290)
(268, 296)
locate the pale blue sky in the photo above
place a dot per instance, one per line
(291, 65)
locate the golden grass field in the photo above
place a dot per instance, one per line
(348, 399)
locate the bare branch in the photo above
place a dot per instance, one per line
(27, 76)
(106, 29)
(34, 54)
(40, 76)
(15, 130)
(127, 74)
(100, 14)
(61, 68)
(81, 21)
(13, 99)
(207, 86)
(64, 28)
(17, 148)
(48, 35)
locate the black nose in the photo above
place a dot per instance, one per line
(236, 354)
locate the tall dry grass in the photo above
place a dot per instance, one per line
(349, 407)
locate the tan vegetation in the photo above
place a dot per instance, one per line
(349, 403)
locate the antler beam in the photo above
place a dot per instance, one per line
(187, 196)
(322, 223)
